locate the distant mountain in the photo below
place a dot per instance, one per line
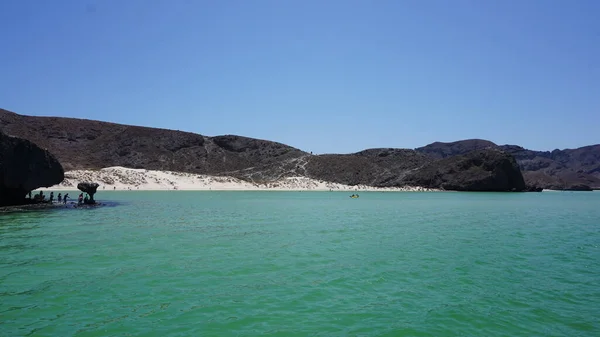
(89, 144)
(558, 169)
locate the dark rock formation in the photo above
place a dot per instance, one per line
(90, 189)
(530, 188)
(578, 187)
(480, 170)
(559, 169)
(556, 169)
(24, 167)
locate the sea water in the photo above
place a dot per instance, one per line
(177, 263)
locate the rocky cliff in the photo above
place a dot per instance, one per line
(569, 169)
(24, 167)
(478, 170)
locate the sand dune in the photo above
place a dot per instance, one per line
(121, 178)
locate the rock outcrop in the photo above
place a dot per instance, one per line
(480, 170)
(89, 188)
(578, 187)
(533, 188)
(24, 167)
(558, 169)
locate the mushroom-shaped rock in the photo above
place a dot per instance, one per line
(89, 188)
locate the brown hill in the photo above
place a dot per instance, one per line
(87, 144)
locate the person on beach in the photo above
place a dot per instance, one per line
(65, 198)
(59, 197)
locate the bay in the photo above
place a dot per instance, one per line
(183, 263)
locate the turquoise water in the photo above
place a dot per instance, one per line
(305, 264)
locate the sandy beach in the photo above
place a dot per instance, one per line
(121, 178)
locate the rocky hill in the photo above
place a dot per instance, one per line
(558, 169)
(88, 144)
(486, 170)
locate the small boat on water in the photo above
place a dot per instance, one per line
(354, 196)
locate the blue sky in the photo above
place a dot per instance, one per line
(324, 76)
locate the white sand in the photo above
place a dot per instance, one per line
(121, 178)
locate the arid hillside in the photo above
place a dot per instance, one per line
(89, 144)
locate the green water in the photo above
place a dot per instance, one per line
(305, 264)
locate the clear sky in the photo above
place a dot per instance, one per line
(324, 76)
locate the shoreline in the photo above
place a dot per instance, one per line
(127, 179)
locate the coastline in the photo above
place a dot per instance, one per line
(126, 179)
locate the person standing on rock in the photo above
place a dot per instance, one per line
(51, 197)
(65, 198)
(59, 198)
(80, 199)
